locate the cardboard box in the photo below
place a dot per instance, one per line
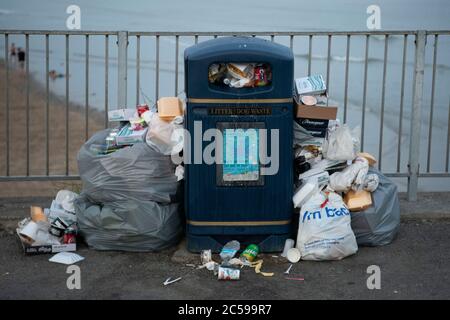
(121, 114)
(313, 123)
(169, 108)
(316, 112)
(52, 248)
(358, 200)
(312, 85)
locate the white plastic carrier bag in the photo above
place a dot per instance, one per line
(324, 231)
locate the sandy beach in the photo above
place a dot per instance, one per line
(37, 135)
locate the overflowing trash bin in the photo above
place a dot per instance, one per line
(242, 87)
(319, 199)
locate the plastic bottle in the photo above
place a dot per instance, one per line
(229, 250)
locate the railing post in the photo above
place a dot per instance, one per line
(414, 145)
(122, 42)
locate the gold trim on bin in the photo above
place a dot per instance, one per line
(238, 223)
(224, 101)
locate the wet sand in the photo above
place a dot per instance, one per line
(37, 135)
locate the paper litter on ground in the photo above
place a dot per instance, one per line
(66, 258)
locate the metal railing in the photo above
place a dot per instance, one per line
(361, 111)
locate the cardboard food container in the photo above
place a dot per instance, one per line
(316, 112)
(42, 249)
(169, 108)
(358, 200)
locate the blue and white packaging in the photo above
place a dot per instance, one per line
(122, 114)
(312, 85)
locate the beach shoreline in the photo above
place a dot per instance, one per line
(37, 165)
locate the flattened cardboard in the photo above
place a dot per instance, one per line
(52, 248)
(313, 123)
(121, 114)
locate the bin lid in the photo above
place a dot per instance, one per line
(244, 46)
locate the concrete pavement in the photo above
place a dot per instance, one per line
(415, 266)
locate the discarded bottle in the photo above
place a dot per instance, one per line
(250, 252)
(229, 250)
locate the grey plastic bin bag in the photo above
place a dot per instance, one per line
(129, 225)
(378, 224)
(136, 172)
(129, 198)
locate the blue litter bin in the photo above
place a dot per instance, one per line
(241, 86)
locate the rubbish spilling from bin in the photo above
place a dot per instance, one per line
(335, 182)
(239, 75)
(130, 200)
(66, 258)
(50, 230)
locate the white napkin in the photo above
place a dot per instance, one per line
(66, 258)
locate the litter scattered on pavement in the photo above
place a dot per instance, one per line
(293, 255)
(288, 269)
(50, 230)
(287, 245)
(170, 281)
(297, 279)
(66, 258)
(228, 273)
(258, 265)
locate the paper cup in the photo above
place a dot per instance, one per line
(30, 230)
(287, 245)
(309, 100)
(293, 255)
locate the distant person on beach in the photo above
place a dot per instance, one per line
(13, 53)
(53, 74)
(21, 56)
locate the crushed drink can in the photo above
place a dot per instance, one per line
(227, 273)
(251, 252)
(70, 236)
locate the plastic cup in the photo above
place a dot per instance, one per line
(293, 255)
(287, 245)
(309, 100)
(30, 230)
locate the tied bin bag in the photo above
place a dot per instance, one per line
(378, 224)
(136, 172)
(128, 201)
